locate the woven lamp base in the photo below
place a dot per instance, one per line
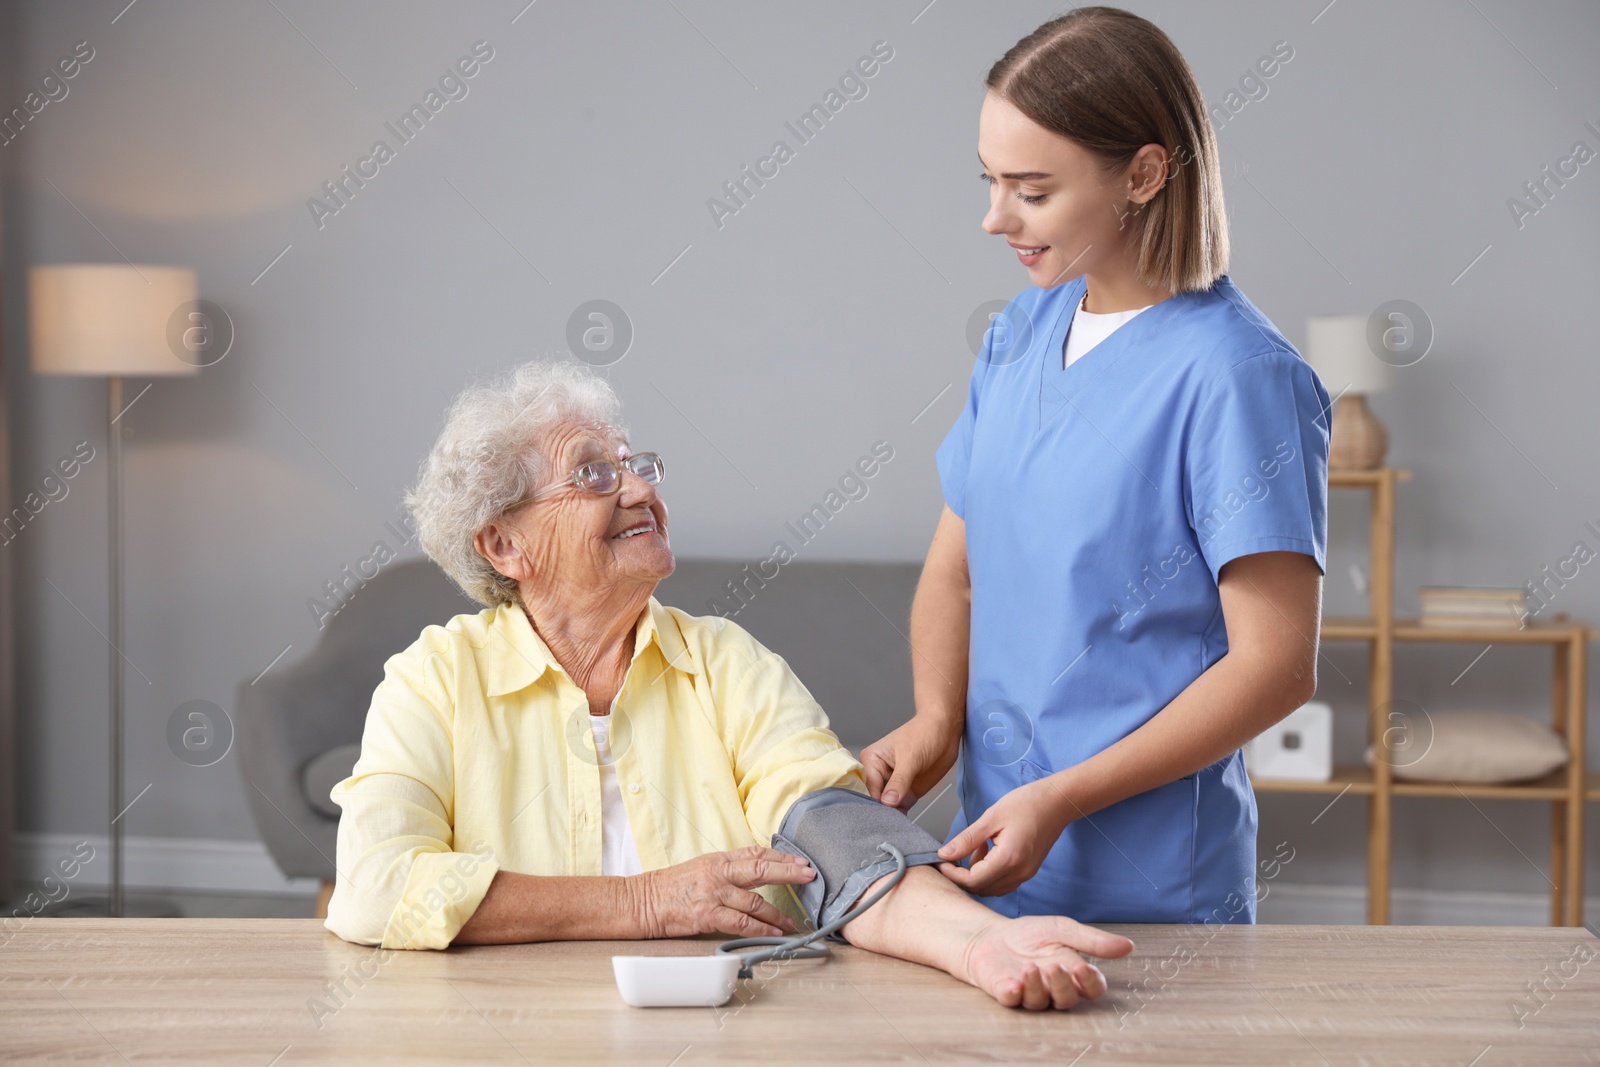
(1358, 441)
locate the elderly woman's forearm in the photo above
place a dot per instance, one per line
(525, 907)
(926, 919)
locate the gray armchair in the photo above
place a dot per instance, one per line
(299, 727)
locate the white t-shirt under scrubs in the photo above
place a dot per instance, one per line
(1088, 329)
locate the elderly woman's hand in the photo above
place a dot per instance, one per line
(1033, 961)
(712, 894)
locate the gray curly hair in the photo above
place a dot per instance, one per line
(488, 457)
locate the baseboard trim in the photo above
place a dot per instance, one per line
(198, 865)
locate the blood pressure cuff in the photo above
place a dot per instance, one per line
(839, 831)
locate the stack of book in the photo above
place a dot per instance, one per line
(1471, 606)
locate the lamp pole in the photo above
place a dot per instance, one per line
(114, 491)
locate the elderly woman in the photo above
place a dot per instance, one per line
(577, 761)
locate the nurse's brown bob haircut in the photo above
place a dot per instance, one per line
(1113, 82)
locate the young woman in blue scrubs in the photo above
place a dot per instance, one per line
(1124, 585)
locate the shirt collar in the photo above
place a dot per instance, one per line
(518, 656)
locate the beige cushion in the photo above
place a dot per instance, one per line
(1478, 746)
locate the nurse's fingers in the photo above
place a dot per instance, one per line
(876, 771)
(899, 792)
(997, 872)
(981, 878)
(994, 870)
(961, 876)
(973, 837)
(979, 854)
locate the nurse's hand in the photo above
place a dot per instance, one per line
(1023, 827)
(908, 762)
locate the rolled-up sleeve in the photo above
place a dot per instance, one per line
(404, 881)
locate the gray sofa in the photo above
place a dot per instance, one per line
(840, 626)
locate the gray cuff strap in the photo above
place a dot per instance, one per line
(839, 831)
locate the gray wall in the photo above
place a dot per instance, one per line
(826, 315)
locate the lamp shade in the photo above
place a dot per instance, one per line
(107, 319)
(1337, 349)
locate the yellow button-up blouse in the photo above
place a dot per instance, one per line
(477, 755)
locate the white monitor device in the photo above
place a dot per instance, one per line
(1299, 747)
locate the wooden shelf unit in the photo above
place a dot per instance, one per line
(1566, 790)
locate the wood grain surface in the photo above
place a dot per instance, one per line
(268, 992)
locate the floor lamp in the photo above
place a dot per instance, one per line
(109, 321)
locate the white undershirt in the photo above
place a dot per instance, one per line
(618, 854)
(1088, 329)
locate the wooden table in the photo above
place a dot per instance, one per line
(257, 992)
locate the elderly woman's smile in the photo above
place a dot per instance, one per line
(643, 527)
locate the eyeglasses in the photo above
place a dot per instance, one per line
(602, 477)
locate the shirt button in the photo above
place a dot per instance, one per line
(633, 787)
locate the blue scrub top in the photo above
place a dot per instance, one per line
(1100, 501)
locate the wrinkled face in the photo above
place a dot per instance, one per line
(579, 542)
(1047, 191)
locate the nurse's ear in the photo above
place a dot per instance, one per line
(1147, 173)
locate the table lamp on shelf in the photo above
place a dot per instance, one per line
(110, 321)
(1337, 349)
